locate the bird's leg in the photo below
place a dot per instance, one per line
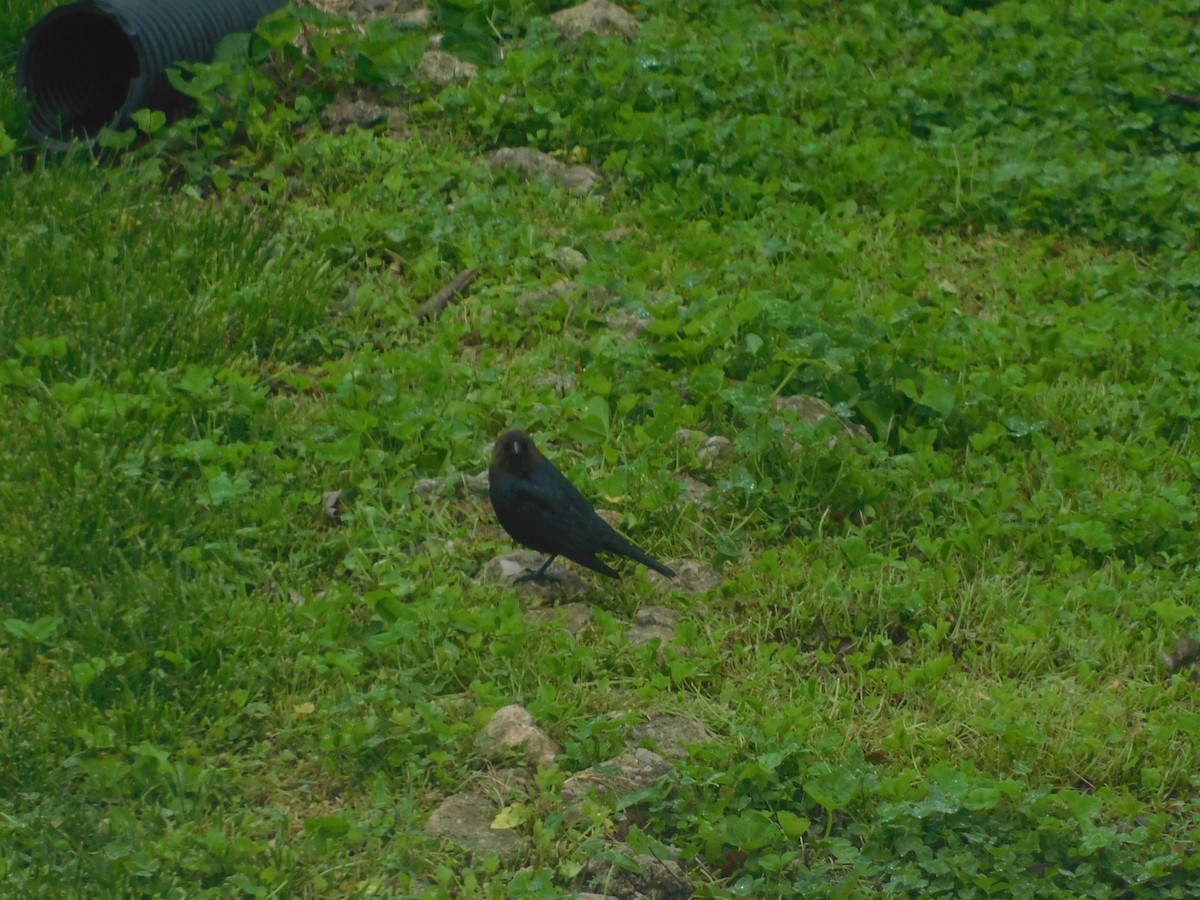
(539, 574)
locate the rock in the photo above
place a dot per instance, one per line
(416, 17)
(1186, 652)
(628, 323)
(364, 10)
(611, 516)
(426, 486)
(333, 507)
(512, 728)
(573, 617)
(500, 784)
(476, 485)
(652, 622)
(640, 876)
(570, 260)
(595, 17)
(560, 384)
(716, 449)
(412, 13)
(694, 491)
(466, 820)
(709, 449)
(561, 584)
(578, 180)
(812, 410)
(670, 735)
(617, 234)
(691, 577)
(553, 292)
(687, 436)
(444, 69)
(612, 780)
(350, 106)
(369, 10)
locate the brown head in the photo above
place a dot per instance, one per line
(515, 453)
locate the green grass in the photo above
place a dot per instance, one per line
(935, 666)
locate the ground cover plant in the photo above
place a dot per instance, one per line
(949, 654)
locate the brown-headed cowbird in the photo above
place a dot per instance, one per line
(542, 510)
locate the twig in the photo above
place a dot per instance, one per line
(1189, 100)
(499, 38)
(432, 308)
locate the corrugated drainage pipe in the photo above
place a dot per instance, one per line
(93, 63)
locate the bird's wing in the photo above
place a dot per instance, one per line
(550, 515)
(583, 532)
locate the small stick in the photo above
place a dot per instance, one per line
(1189, 100)
(432, 308)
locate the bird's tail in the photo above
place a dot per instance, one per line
(627, 549)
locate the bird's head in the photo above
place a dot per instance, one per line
(515, 453)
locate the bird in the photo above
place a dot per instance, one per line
(541, 509)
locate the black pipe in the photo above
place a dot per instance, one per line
(93, 63)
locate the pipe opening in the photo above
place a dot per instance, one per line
(78, 69)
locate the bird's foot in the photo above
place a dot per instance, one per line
(535, 575)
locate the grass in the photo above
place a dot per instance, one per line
(935, 665)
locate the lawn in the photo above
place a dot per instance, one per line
(951, 648)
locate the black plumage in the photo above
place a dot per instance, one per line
(541, 509)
